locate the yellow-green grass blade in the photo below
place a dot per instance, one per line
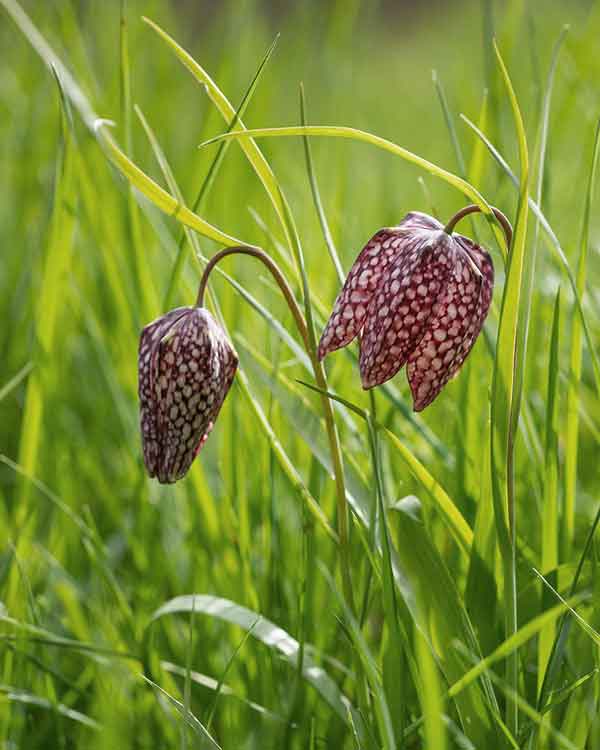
(48, 310)
(555, 246)
(335, 131)
(514, 642)
(529, 264)
(481, 594)
(449, 512)
(449, 120)
(175, 190)
(15, 381)
(561, 695)
(583, 624)
(550, 516)
(210, 178)
(252, 151)
(506, 394)
(430, 695)
(575, 363)
(99, 127)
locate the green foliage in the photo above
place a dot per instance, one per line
(233, 609)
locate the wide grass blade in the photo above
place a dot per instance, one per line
(265, 631)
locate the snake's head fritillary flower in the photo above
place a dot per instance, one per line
(186, 367)
(418, 296)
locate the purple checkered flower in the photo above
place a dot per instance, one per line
(186, 367)
(416, 295)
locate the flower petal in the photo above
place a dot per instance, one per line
(348, 314)
(381, 251)
(406, 299)
(147, 365)
(197, 365)
(459, 320)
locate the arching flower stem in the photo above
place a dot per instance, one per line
(276, 272)
(474, 209)
(309, 345)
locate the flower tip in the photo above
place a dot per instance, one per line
(367, 384)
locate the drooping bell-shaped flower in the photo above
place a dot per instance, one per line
(416, 295)
(186, 367)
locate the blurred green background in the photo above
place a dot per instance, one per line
(90, 548)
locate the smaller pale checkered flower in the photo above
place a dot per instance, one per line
(186, 367)
(416, 295)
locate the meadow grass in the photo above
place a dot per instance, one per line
(335, 571)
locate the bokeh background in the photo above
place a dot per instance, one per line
(89, 547)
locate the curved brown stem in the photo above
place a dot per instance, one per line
(276, 272)
(473, 209)
(309, 345)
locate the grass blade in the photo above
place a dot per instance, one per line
(98, 126)
(334, 131)
(265, 631)
(575, 364)
(210, 178)
(550, 524)
(205, 739)
(314, 187)
(555, 246)
(506, 396)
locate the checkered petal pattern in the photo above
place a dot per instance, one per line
(416, 296)
(186, 367)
